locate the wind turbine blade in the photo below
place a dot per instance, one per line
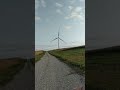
(62, 40)
(58, 32)
(59, 29)
(54, 39)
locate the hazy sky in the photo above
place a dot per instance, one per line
(69, 15)
(17, 32)
(102, 24)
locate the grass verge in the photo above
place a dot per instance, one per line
(38, 55)
(75, 57)
(8, 68)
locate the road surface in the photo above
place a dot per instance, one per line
(51, 74)
(24, 80)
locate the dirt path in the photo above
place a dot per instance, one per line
(51, 74)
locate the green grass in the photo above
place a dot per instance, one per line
(8, 69)
(103, 70)
(72, 56)
(38, 55)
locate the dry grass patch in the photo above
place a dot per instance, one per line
(38, 55)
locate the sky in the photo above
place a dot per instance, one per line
(102, 24)
(68, 15)
(17, 34)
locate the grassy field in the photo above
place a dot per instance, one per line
(38, 55)
(72, 56)
(8, 68)
(102, 69)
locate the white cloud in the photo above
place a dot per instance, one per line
(59, 11)
(82, 0)
(70, 7)
(39, 3)
(78, 9)
(76, 13)
(37, 18)
(72, 1)
(43, 3)
(58, 5)
(67, 27)
(74, 16)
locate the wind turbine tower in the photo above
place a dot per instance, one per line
(58, 38)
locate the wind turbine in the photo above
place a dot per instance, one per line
(58, 38)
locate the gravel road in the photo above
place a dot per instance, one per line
(51, 74)
(24, 80)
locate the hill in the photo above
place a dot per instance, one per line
(102, 66)
(105, 50)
